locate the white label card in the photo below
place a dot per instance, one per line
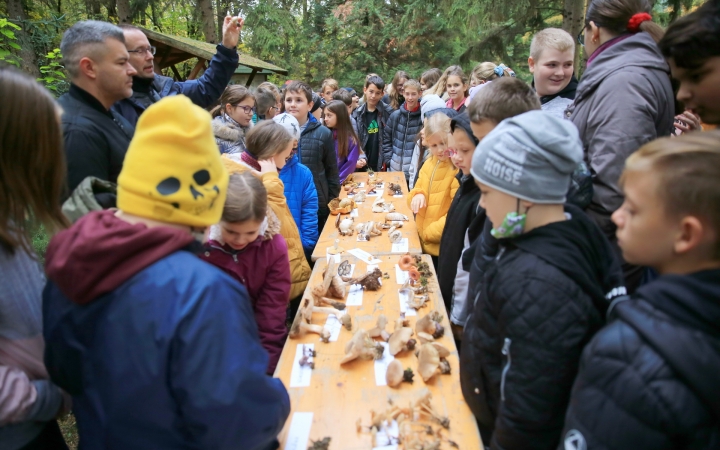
(355, 296)
(334, 326)
(354, 213)
(300, 375)
(401, 275)
(378, 193)
(400, 247)
(398, 196)
(299, 432)
(404, 308)
(335, 258)
(364, 256)
(381, 365)
(387, 436)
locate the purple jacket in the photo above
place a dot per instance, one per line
(346, 165)
(263, 267)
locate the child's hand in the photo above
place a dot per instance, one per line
(231, 31)
(360, 163)
(267, 166)
(686, 122)
(417, 203)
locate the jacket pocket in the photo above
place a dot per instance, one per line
(506, 369)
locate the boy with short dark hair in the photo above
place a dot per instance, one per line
(316, 147)
(649, 379)
(551, 61)
(371, 118)
(691, 45)
(545, 293)
(503, 98)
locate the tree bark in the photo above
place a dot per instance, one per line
(208, 21)
(573, 23)
(123, 11)
(26, 54)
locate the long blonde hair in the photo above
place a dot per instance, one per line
(441, 85)
(488, 71)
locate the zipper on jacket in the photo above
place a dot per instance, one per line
(233, 254)
(432, 176)
(506, 369)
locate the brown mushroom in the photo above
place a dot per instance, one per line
(430, 324)
(394, 374)
(301, 326)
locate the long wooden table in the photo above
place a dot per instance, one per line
(337, 396)
(377, 245)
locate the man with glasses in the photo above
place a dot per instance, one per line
(149, 87)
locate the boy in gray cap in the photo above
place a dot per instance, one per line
(546, 292)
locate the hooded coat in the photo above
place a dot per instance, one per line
(263, 268)
(437, 182)
(302, 199)
(649, 379)
(399, 136)
(157, 348)
(299, 267)
(316, 150)
(229, 135)
(623, 101)
(545, 296)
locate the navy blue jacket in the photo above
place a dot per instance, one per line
(302, 199)
(204, 91)
(168, 359)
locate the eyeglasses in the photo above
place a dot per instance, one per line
(275, 108)
(581, 38)
(142, 50)
(246, 109)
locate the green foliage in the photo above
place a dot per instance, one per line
(53, 75)
(8, 42)
(40, 241)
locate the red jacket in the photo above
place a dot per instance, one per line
(263, 267)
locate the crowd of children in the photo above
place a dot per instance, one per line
(574, 227)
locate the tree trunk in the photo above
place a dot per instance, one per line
(208, 21)
(26, 54)
(123, 11)
(573, 23)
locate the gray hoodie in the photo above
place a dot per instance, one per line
(624, 100)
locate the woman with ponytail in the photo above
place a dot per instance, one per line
(623, 101)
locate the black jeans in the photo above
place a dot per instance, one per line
(50, 438)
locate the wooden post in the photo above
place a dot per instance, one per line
(196, 70)
(176, 72)
(250, 78)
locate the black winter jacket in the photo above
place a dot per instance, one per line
(651, 378)
(316, 150)
(204, 91)
(399, 137)
(383, 116)
(462, 214)
(96, 139)
(546, 294)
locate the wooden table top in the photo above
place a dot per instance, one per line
(377, 245)
(335, 396)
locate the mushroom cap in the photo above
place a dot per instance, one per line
(394, 374)
(428, 361)
(426, 325)
(355, 346)
(296, 330)
(425, 337)
(442, 351)
(399, 339)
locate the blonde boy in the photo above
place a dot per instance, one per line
(649, 378)
(552, 52)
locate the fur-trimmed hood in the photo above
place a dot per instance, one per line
(225, 128)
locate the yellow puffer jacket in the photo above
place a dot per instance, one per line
(438, 184)
(299, 267)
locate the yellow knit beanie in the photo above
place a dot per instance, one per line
(172, 171)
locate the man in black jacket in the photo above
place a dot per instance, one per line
(650, 378)
(149, 87)
(548, 288)
(96, 139)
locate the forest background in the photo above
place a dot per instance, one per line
(315, 39)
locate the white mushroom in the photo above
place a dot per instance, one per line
(379, 329)
(401, 340)
(362, 346)
(430, 324)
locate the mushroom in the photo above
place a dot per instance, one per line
(430, 324)
(401, 322)
(425, 338)
(370, 281)
(346, 321)
(401, 340)
(360, 197)
(405, 262)
(423, 406)
(362, 346)
(379, 330)
(395, 235)
(428, 361)
(395, 216)
(324, 301)
(345, 227)
(301, 325)
(396, 375)
(337, 287)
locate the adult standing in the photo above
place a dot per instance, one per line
(624, 100)
(32, 175)
(96, 138)
(149, 87)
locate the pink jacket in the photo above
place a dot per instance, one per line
(263, 267)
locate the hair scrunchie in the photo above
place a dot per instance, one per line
(499, 71)
(635, 21)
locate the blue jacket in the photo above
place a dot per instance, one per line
(302, 199)
(169, 358)
(204, 91)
